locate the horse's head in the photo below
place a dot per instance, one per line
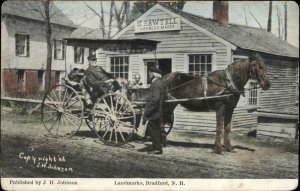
(258, 71)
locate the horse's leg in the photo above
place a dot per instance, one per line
(227, 127)
(220, 109)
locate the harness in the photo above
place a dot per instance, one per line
(230, 85)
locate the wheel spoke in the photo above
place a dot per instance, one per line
(50, 118)
(55, 108)
(51, 100)
(129, 117)
(53, 124)
(72, 116)
(105, 133)
(122, 135)
(71, 104)
(63, 100)
(116, 136)
(107, 105)
(112, 104)
(70, 97)
(70, 121)
(110, 136)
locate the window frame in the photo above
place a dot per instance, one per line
(62, 48)
(26, 45)
(124, 72)
(211, 54)
(81, 59)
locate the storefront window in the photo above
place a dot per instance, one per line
(119, 67)
(200, 64)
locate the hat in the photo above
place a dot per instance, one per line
(92, 57)
(154, 69)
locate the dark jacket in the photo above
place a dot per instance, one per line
(95, 77)
(154, 102)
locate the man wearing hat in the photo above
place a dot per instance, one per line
(95, 78)
(153, 109)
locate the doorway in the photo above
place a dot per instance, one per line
(164, 64)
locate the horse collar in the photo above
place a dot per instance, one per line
(231, 83)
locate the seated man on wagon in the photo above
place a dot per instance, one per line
(93, 82)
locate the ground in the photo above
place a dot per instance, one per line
(26, 147)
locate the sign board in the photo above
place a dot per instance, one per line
(159, 24)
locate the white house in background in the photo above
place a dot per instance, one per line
(24, 47)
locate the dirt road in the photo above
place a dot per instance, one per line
(27, 151)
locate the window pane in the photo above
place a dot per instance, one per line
(203, 60)
(208, 67)
(191, 68)
(208, 58)
(196, 58)
(191, 59)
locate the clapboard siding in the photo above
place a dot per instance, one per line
(285, 130)
(194, 121)
(282, 94)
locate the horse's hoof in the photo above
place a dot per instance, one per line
(218, 150)
(229, 148)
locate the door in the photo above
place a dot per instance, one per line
(165, 65)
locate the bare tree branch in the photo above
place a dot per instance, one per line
(254, 18)
(93, 10)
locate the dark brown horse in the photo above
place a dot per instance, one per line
(226, 85)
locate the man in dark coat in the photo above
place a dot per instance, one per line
(153, 109)
(95, 79)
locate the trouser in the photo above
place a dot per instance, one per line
(153, 129)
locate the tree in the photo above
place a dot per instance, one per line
(43, 8)
(285, 21)
(269, 28)
(140, 8)
(46, 4)
(120, 15)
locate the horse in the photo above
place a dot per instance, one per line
(225, 86)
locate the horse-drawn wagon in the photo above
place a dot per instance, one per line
(114, 118)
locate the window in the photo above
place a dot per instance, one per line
(200, 64)
(119, 67)
(22, 45)
(78, 54)
(253, 93)
(92, 51)
(21, 81)
(57, 77)
(41, 79)
(59, 50)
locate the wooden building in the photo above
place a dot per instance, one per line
(24, 47)
(193, 44)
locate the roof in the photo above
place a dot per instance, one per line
(244, 37)
(33, 9)
(87, 33)
(122, 45)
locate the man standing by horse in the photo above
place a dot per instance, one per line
(154, 109)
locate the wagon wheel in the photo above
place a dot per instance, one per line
(62, 111)
(114, 119)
